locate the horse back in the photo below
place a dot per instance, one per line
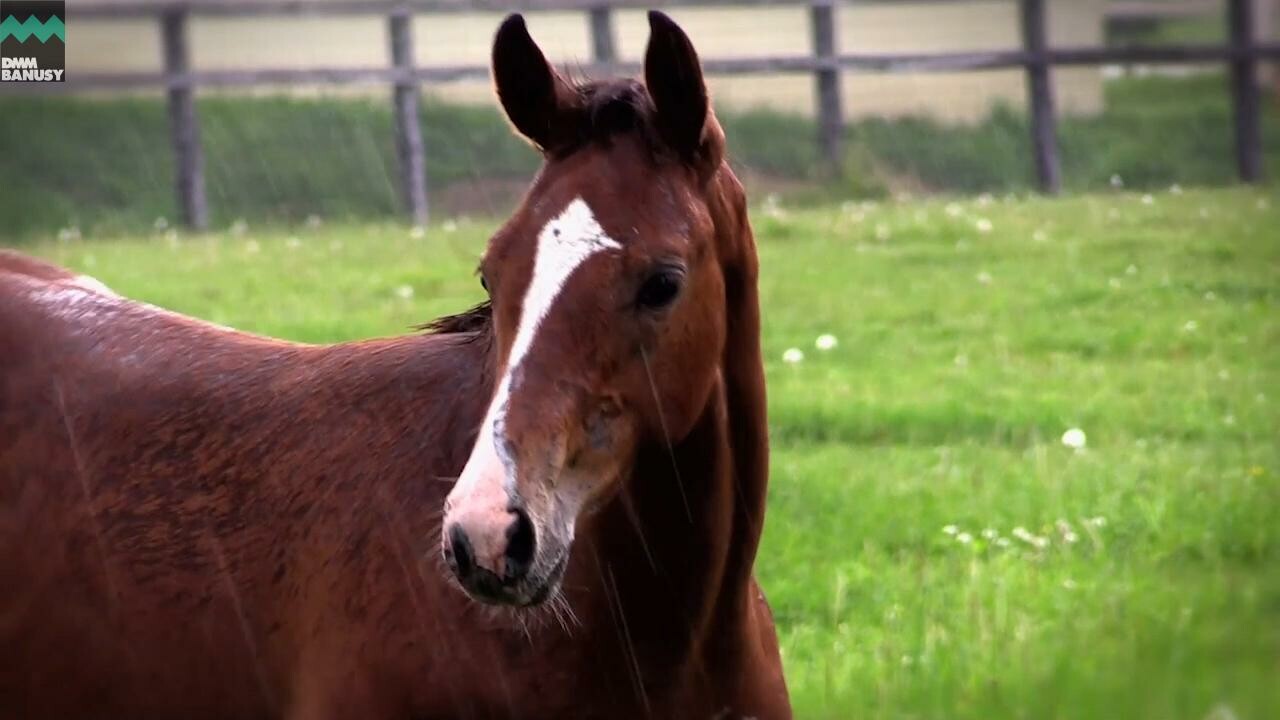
(173, 494)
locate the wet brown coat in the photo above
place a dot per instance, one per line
(196, 522)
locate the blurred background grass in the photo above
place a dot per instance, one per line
(333, 157)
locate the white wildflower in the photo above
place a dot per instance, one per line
(984, 278)
(1190, 326)
(449, 226)
(1117, 182)
(1148, 199)
(161, 224)
(883, 232)
(313, 221)
(1175, 189)
(983, 225)
(404, 292)
(964, 538)
(951, 530)
(990, 533)
(417, 232)
(826, 341)
(252, 247)
(772, 207)
(954, 210)
(68, 234)
(1074, 439)
(1040, 236)
(1131, 270)
(1068, 533)
(792, 356)
(292, 242)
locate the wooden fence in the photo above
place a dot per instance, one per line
(826, 61)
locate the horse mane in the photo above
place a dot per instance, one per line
(476, 320)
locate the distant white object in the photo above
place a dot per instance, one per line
(792, 356)
(826, 341)
(1074, 439)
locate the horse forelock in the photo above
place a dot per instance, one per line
(604, 110)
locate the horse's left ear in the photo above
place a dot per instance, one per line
(673, 75)
(537, 100)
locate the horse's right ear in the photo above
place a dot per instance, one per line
(532, 93)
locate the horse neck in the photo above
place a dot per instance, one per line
(675, 551)
(672, 553)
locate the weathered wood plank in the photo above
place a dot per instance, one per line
(604, 46)
(405, 101)
(211, 8)
(1245, 94)
(826, 77)
(1040, 100)
(184, 124)
(888, 63)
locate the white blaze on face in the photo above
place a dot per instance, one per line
(564, 244)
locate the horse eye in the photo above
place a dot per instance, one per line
(659, 289)
(484, 282)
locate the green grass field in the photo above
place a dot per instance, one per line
(1136, 578)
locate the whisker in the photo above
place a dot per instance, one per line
(666, 434)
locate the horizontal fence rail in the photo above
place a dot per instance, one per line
(1241, 55)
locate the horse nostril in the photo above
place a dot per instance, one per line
(462, 558)
(520, 546)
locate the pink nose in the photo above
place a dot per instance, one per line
(489, 550)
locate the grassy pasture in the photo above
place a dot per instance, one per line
(933, 549)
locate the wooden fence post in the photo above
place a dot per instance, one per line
(603, 47)
(1245, 94)
(184, 123)
(829, 108)
(409, 151)
(1040, 100)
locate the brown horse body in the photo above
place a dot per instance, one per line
(196, 522)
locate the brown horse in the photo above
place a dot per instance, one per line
(196, 522)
